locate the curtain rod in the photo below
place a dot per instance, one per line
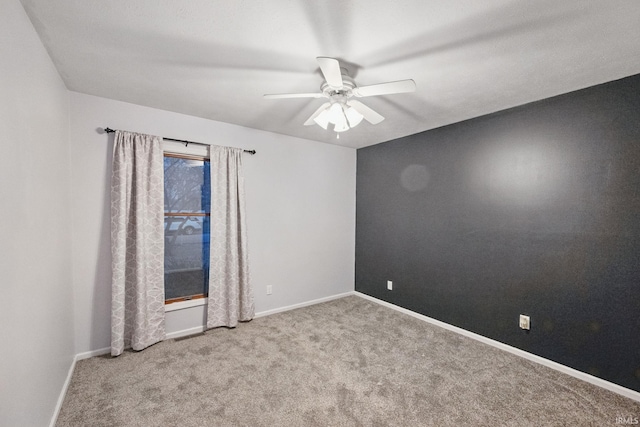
(186, 143)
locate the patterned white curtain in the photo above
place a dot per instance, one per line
(137, 242)
(230, 294)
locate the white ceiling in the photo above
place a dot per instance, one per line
(216, 58)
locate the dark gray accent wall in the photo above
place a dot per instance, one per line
(533, 210)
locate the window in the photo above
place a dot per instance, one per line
(186, 226)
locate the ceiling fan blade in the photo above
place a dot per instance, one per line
(331, 71)
(401, 86)
(294, 95)
(310, 121)
(369, 115)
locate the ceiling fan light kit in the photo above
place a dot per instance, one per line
(342, 111)
(353, 116)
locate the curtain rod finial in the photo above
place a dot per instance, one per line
(108, 130)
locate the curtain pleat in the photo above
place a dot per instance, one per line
(230, 295)
(137, 242)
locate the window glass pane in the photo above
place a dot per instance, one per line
(186, 256)
(186, 185)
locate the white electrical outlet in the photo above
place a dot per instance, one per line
(525, 322)
(269, 289)
(389, 285)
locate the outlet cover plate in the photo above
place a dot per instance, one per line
(525, 322)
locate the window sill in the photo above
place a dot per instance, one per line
(185, 304)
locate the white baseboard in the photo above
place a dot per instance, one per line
(631, 394)
(63, 393)
(93, 353)
(67, 381)
(200, 329)
(302, 304)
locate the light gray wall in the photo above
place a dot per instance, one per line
(300, 203)
(36, 325)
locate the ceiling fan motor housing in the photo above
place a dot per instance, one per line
(339, 94)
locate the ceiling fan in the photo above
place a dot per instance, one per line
(341, 110)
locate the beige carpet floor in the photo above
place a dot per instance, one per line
(348, 362)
